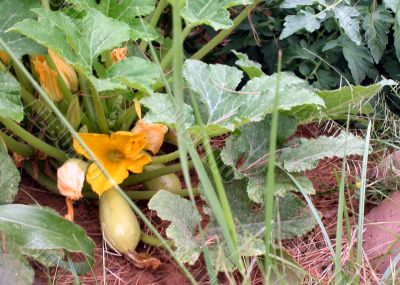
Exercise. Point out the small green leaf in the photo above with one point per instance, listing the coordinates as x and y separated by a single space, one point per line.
10 98
349 21
377 26
290 4
162 109
9 179
12 12
143 31
135 72
305 19
252 68
41 229
184 218
305 153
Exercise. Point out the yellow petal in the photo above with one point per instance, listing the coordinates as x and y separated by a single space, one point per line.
97 143
66 71
138 109
47 78
131 144
136 166
154 133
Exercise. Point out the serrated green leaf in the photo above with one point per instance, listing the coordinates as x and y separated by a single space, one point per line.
14 267
162 109
9 179
184 218
207 12
305 19
377 26
79 41
225 108
135 72
358 58
10 98
394 5
349 21
247 152
283 185
231 3
38 228
252 68
143 31
12 12
305 153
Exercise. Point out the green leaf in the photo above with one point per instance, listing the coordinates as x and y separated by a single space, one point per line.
11 13
377 26
38 228
135 72
283 185
358 58
15 269
394 5
305 19
304 154
207 12
247 152
184 218
337 102
226 108
289 4
252 68
79 41
9 179
143 31
349 21
231 3
162 109
10 98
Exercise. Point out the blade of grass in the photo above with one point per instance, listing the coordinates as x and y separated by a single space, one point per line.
360 223
75 135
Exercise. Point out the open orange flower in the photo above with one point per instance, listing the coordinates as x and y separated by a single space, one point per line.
119 54
118 153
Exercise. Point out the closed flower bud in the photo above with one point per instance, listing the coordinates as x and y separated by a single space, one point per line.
4 57
70 178
74 113
66 71
47 78
119 54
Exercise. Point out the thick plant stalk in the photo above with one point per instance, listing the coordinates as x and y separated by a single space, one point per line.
17 147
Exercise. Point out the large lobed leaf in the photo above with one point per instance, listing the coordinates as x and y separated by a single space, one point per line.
305 19
184 219
10 98
12 12
304 154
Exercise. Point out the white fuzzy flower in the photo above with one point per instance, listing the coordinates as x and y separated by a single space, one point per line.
70 178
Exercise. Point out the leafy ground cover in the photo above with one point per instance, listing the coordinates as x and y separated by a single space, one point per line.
103 102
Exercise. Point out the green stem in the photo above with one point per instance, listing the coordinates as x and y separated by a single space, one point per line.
100 115
15 146
166 61
165 158
128 115
153 241
87 102
63 86
46 4
224 33
154 19
22 79
40 178
139 178
107 57
33 141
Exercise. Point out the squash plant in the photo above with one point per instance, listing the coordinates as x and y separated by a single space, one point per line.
91 61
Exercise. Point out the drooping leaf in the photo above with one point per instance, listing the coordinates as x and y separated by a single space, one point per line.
79 41
252 68
14 267
358 58
9 179
38 228
305 153
224 107
162 110
10 98
349 21
305 19
247 152
184 219
283 185
377 26
135 72
337 102
11 13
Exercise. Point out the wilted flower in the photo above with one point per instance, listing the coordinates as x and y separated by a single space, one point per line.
119 54
66 71
4 57
118 153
